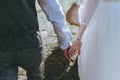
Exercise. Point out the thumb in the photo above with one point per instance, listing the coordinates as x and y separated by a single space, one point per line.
79 51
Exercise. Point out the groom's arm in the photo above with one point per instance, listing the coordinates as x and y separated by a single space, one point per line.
55 15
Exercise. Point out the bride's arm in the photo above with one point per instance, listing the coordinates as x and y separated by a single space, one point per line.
88 11
86 14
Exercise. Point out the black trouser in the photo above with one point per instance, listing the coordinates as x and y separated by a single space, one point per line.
29 59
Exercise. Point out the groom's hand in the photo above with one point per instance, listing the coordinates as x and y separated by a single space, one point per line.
65 52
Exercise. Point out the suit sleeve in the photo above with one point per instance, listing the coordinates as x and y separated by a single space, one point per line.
55 15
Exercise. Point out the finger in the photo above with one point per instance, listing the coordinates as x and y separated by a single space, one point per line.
67 56
79 51
72 52
70 57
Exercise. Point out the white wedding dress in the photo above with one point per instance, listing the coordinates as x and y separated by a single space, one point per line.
100 52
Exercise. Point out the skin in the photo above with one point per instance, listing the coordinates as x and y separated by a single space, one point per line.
77 43
65 52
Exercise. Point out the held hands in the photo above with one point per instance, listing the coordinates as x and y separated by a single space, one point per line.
70 52
66 54
75 48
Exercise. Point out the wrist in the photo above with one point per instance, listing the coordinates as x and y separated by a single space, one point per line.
83 24
78 40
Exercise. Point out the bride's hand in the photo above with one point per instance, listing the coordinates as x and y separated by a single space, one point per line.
75 48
